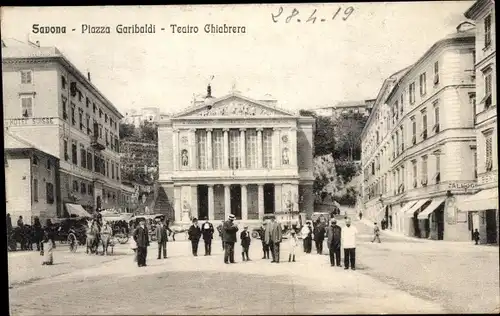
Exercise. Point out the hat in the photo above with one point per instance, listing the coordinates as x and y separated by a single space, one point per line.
334 221
195 219
231 216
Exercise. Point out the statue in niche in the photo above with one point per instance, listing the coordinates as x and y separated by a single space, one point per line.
186 211
184 158
285 156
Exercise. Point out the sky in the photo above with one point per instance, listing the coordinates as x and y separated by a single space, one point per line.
302 64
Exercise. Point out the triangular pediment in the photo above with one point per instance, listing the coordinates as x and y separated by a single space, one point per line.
233 105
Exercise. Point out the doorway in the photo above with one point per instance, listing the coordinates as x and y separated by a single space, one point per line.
268 198
203 202
235 194
98 202
440 221
491 226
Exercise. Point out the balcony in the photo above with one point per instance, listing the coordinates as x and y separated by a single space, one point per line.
97 143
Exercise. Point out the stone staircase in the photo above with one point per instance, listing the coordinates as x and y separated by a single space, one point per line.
162 204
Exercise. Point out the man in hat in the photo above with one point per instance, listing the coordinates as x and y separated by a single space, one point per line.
194 234
229 231
262 235
349 234
141 238
334 235
273 238
162 238
207 231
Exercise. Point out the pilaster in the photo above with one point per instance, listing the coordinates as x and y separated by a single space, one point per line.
225 162
244 202
211 210
209 149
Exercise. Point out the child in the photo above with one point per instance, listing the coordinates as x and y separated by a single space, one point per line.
475 236
293 244
245 243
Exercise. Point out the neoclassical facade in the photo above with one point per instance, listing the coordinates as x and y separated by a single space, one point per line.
236 155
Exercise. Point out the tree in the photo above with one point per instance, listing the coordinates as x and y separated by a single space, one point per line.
149 132
348 137
126 130
324 136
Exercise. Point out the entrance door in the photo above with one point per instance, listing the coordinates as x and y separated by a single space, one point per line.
236 200
268 198
491 227
440 222
203 202
98 203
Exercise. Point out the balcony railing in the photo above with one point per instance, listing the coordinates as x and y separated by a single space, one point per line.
97 143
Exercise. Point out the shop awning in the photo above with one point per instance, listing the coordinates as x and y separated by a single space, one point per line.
431 208
415 207
481 201
77 210
406 207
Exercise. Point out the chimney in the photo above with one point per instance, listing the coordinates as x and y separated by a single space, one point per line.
88 75
209 91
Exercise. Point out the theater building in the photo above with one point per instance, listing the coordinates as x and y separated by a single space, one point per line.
236 155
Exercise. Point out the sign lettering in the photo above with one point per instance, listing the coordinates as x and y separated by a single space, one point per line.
462 185
30 121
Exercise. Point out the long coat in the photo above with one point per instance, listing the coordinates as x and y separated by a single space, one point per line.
207 233
194 233
334 234
245 238
161 233
229 230
141 237
273 233
319 232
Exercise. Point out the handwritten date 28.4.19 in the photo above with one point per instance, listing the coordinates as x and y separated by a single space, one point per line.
312 17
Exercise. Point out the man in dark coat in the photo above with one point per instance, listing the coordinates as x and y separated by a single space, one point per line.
246 239
207 231
334 235
141 238
194 234
229 230
265 246
273 237
319 237
162 238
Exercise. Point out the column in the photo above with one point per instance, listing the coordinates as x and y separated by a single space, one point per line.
211 214
227 201
194 201
276 148
293 146
225 161
192 148
209 149
277 198
259 148
244 202
177 204
175 149
261 201
243 154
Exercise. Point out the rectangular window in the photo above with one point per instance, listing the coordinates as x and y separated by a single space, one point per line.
489 151
402 139
87 121
436 119
63 82
27 106
106 137
217 149
107 169
73 120
112 170
397 143
487 88
50 193
83 157
412 92
65 107
438 168
105 118
472 102
267 148
424 171
35 190
234 149
487 31
396 110
414 131
26 76
87 102
423 84
89 161
415 175
424 125
74 153
436 73
201 141
65 146
80 118
251 148
83 188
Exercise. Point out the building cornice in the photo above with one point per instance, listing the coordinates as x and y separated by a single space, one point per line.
72 69
477 8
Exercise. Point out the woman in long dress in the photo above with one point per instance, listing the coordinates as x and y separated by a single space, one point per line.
48 245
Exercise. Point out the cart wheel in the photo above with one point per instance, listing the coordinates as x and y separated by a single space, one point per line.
122 238
72 242
255 235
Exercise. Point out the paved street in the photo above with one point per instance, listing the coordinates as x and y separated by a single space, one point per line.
396 276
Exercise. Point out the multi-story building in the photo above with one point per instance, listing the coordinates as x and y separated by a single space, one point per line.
51 104
236 155
150 114
419 144
362 107
484 204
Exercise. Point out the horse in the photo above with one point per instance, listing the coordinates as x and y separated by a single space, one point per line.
92 237
106 235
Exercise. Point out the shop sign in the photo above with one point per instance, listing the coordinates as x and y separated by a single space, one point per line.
30 121
461 185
